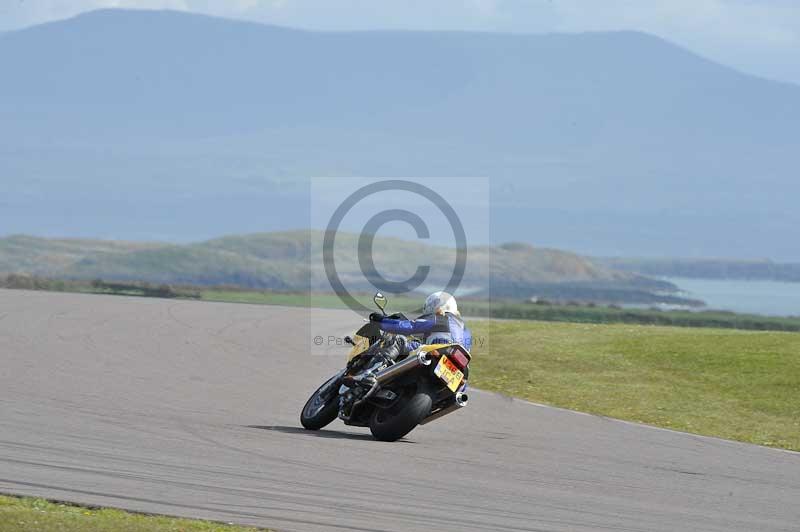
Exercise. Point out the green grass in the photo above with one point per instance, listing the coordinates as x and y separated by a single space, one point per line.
740 385
27 514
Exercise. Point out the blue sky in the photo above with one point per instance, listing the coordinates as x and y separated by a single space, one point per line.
761 37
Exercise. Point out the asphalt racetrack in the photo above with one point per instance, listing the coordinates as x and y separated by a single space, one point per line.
191 409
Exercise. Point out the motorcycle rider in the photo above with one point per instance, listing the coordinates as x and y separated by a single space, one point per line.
440 323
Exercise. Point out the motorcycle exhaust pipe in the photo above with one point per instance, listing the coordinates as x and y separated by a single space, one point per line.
404 366
459 402
461 399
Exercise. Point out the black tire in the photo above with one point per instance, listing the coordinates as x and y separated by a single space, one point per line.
392 424
314 417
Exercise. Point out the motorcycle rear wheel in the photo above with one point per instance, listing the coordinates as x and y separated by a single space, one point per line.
321 408
394 423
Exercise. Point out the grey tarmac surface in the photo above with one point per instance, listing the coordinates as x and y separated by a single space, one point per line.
191 408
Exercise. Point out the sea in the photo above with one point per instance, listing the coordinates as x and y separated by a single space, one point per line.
769 298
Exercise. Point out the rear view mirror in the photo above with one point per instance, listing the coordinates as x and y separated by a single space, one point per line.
380 301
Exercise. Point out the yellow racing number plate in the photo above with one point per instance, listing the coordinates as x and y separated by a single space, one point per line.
449 373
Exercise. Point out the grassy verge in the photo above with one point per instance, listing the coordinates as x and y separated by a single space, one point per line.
574 313
739 385
25 514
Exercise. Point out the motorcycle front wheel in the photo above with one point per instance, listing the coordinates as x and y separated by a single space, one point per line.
322 407
391 424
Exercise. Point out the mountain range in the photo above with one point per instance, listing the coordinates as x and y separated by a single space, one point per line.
159 125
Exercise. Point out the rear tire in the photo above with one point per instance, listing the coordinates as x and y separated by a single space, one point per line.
391 425
314 415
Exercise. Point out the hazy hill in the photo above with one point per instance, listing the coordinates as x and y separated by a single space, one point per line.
294 261
164 125
22 253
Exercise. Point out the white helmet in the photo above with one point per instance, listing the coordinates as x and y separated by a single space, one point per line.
440 303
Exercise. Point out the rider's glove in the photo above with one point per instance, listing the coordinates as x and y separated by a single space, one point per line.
375 316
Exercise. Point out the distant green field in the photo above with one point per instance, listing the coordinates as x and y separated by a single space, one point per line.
528 311
28 514
496 308
740 385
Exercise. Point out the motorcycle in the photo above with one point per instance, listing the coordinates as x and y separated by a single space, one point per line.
421 386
